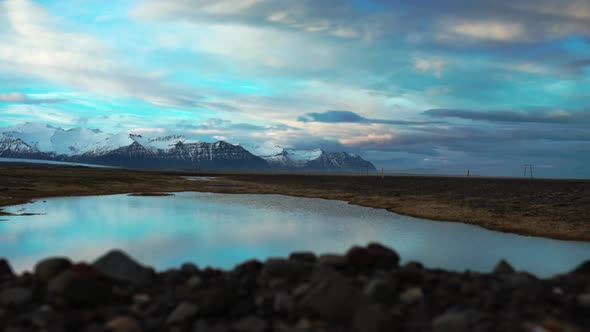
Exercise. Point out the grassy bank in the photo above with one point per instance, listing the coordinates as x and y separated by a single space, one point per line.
549 208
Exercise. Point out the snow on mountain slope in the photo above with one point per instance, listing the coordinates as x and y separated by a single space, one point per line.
315 159
160 143
35 135
303 155
81 140
45 142
13 145
69 142
264 150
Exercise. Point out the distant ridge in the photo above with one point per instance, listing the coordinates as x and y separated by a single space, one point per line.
92 146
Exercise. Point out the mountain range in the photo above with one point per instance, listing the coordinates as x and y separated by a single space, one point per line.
92 146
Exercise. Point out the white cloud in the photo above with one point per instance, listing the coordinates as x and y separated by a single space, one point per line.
433 65
367 139
32 43
487 30
39 114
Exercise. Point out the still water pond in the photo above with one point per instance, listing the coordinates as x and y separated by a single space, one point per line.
222 230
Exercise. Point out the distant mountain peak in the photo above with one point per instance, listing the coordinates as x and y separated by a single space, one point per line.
39 141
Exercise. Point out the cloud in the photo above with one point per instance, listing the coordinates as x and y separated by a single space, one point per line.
20 98
435 66
578 66
311 16
35 44
369 139
487 30
351 117
546 116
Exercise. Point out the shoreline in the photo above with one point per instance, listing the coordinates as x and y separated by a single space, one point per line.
428 202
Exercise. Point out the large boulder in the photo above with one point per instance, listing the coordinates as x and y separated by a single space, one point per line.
49 268
80 285
503 267
582 269
119 266
15 297
5 269
333 299
374 255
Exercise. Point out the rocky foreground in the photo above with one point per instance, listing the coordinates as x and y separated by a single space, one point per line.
363 290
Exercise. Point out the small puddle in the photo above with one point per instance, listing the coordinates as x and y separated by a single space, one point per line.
222 230
200 178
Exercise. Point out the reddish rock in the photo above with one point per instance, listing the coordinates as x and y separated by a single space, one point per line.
373 255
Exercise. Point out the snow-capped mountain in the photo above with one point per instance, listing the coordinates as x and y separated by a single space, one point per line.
311 160
92 146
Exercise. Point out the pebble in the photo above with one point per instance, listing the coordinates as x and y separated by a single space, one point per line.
79 285
333 260
584 300
371 318
15 297
450 322
411 295
332 293
303 256
182 312
250 324
193 282
123 324
335 299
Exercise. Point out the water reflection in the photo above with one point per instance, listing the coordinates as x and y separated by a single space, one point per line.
222 230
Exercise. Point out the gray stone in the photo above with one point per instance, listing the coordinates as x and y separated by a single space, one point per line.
371 318
49 268
300 290
80 288
283 302
119 266
214 300
503 267
183 312
5 269
335 300
450 322
382 289
190 268
284 269
203 326
582 269
411 295
303 256
584 300
123 324
333 260
250 324
17 297
193 282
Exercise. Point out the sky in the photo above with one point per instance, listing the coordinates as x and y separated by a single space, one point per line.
418 86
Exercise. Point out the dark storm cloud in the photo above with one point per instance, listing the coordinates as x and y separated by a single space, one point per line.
352 117
545 116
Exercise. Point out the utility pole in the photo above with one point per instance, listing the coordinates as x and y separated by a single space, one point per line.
530 168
